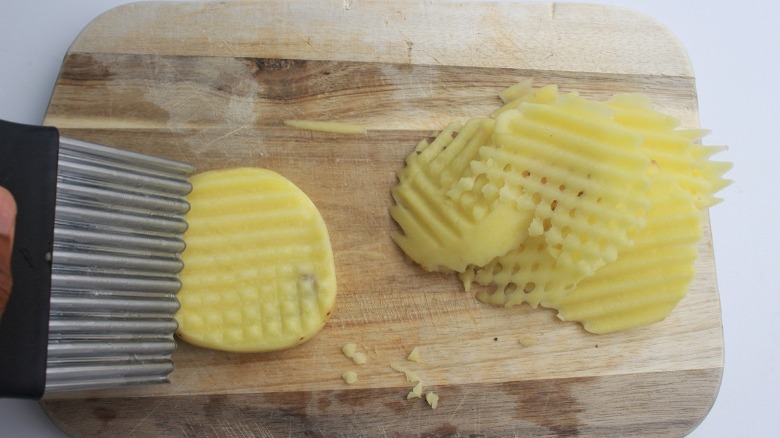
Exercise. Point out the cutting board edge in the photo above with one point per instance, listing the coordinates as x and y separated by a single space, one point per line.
676 64
720 369
603 403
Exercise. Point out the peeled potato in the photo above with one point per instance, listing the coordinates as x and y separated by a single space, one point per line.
258 269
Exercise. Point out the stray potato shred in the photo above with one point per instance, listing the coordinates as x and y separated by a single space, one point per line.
326 126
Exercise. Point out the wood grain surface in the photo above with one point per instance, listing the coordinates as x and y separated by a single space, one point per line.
211 84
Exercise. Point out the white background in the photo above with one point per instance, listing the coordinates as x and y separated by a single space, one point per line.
734 47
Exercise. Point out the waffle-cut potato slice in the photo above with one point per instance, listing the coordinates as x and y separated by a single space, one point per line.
616 190
676 151
441 233
526 274
585 174
647 281
258 269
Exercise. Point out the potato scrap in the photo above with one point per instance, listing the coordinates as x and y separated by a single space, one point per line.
411 376
350 377
359 358
258 270
349 350
432 398
416 392
414 355
326 126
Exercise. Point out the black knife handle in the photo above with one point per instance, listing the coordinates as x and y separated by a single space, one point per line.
28 169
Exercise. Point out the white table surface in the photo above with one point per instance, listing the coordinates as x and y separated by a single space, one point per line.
734 47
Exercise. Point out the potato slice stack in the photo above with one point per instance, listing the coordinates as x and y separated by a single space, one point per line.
592 208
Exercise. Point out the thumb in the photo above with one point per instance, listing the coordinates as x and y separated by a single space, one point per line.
7 229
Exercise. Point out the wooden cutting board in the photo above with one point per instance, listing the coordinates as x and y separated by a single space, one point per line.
211 83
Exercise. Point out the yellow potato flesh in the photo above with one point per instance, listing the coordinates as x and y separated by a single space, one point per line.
259 273
606 196
647 281
441 233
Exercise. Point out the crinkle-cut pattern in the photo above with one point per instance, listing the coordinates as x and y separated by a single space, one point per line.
527 274
441 233
585 174
648 280
676 151
258 269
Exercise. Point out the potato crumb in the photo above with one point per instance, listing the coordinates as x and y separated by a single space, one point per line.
416 392
414 356
411 376
349 377
349 350
359 358
432 398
